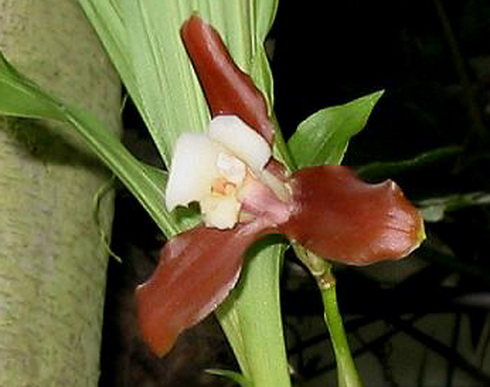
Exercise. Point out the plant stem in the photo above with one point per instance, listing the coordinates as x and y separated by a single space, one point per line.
347 374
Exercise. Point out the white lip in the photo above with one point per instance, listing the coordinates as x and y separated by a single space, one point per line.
192 171
227 151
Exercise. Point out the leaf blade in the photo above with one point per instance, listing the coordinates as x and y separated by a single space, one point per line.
329 130
251 317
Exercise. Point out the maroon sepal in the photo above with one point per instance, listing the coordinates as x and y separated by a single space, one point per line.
228 89
196 272
344 219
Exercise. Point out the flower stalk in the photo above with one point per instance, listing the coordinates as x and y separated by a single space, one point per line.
347 374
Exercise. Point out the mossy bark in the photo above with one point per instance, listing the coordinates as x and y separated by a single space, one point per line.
52 259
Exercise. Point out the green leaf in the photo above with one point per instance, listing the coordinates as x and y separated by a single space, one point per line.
170 100
324 136
434 209
390 168
106 18
251 317
23 98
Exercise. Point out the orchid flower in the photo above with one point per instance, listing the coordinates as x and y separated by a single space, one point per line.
245 194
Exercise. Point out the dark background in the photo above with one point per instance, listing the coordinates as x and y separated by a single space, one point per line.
432 58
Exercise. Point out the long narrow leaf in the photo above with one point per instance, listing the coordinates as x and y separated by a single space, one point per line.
106 17
383 169
251 317
434 209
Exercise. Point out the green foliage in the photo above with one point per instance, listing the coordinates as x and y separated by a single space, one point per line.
22 98
390 168
435 209
241 316
323 137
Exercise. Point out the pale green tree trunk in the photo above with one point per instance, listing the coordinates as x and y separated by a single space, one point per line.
52 259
